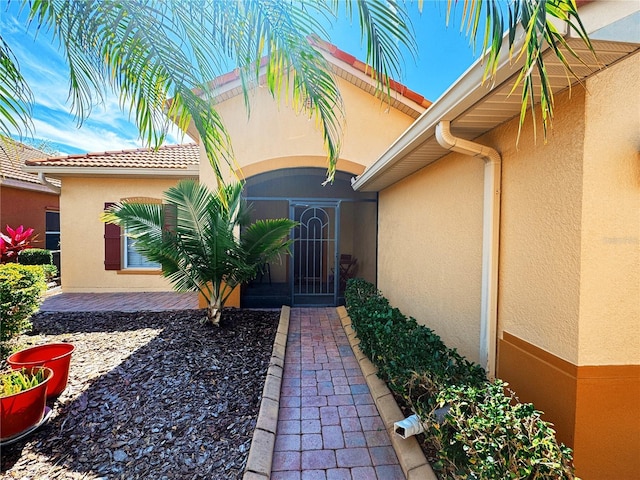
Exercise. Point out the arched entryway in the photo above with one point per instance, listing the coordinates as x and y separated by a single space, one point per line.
335 239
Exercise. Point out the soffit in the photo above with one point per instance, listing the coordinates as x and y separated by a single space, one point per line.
473 110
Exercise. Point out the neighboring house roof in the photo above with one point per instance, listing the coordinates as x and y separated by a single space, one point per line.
169 160
345 66
13 155
474 109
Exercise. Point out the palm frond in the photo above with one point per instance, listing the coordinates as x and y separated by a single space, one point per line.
535 18
16 97
263 240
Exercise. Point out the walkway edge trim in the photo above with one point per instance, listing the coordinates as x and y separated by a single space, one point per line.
412 460
264 436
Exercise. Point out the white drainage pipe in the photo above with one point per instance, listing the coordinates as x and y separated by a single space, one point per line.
490 238
408 427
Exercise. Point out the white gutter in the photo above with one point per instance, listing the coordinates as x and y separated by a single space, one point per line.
43 180
175 172
490 238
467 90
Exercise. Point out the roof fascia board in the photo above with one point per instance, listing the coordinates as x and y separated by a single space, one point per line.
23 185
56 172
220 91
463 94
342 65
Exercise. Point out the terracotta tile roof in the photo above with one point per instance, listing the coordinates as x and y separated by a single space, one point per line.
368 70
168 156
342 56
13 155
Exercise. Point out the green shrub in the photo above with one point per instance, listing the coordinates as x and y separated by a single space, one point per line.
489 434
479 431
20 289
50 271
35 256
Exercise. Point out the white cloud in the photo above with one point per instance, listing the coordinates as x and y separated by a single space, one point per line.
91 140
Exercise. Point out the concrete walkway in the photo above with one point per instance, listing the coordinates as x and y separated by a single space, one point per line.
328 425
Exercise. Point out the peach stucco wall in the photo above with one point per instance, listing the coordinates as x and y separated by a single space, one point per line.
430 249
569 251
540 229
82 234
274 133
610 247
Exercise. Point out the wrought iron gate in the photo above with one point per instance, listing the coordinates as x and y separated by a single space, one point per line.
315 253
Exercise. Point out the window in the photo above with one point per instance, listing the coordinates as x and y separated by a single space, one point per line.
133 259
52 230
119 250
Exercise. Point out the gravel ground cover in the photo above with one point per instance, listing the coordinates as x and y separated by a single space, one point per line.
150 396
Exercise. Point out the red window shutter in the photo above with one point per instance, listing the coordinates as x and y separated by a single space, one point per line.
112 245
170 218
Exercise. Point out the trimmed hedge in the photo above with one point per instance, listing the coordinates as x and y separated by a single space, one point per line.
479 428
20 289
35 256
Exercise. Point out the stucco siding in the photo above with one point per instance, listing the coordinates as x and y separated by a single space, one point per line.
82 234
610 263
540 231
430 249
274 131
28 208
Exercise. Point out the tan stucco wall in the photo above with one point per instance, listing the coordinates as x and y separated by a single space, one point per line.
274 131
569 268
540 229
82 234
610 249
430 249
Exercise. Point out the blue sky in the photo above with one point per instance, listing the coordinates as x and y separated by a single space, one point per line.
444 54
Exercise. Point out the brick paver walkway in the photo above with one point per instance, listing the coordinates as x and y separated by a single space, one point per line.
122 302
328 425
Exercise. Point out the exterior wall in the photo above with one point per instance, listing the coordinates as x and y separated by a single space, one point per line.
26 207
610 248
274 131
540 231
82 234
430 249
569 271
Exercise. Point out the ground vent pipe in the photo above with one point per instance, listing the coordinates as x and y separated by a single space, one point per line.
408 427
490 237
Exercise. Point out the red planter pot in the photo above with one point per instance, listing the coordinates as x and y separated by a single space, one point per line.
56 356
24 410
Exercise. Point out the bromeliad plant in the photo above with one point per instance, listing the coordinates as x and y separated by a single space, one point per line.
16 381
195 237
14 242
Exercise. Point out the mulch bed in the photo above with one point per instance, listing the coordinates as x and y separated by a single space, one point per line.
150 396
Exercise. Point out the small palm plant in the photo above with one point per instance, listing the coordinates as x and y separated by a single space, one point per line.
195 237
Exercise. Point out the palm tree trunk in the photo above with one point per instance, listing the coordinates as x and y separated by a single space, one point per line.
214 311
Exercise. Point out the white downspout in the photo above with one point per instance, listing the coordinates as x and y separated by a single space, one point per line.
490 238
43 180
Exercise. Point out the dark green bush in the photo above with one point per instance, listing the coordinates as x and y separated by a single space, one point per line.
489 434
478 427
20 289
35 256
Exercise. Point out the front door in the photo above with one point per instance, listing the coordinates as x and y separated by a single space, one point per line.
314 280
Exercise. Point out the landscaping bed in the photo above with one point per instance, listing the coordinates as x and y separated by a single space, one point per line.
150 395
